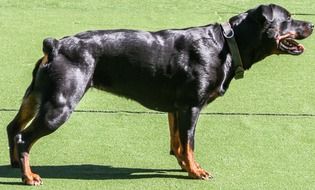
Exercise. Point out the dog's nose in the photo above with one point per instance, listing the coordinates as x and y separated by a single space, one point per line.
311 26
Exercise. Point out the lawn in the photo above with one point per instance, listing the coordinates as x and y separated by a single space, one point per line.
260 135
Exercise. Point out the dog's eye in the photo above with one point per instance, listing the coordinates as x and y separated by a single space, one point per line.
289 19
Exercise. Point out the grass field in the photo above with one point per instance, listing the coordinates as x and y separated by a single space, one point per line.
270 146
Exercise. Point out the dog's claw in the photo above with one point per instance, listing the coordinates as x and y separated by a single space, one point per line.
33 180
205 177
201 174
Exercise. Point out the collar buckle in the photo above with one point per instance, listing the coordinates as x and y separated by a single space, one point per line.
228 33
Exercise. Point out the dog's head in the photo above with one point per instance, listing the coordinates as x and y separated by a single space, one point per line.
269 29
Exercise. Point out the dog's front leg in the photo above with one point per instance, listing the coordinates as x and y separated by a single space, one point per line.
187 123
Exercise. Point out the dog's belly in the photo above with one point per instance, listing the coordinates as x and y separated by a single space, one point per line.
153 88
155 97
152 101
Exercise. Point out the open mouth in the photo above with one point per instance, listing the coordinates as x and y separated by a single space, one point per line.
288 45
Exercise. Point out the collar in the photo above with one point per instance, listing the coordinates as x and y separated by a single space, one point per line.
228 33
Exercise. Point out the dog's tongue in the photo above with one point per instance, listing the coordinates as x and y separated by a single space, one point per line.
300 47
297 48
291 46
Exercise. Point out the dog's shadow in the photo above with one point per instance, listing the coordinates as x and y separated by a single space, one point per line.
92 172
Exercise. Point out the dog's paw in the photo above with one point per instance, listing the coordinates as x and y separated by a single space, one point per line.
200 174
32 179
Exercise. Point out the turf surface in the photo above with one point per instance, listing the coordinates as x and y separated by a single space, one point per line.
270 145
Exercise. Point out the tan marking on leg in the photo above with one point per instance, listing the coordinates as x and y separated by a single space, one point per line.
29 178
176 146
171 123
45 59
26 113
193 168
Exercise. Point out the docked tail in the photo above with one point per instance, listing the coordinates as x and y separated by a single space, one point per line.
50 48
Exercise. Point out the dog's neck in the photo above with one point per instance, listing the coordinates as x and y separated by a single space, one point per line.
252 47
236 57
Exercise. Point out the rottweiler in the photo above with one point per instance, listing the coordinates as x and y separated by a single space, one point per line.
177 71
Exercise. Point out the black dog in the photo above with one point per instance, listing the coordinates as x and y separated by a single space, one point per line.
174 71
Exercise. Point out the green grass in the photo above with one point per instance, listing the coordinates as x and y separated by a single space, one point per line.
130 151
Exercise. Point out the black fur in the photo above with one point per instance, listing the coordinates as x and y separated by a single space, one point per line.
176 71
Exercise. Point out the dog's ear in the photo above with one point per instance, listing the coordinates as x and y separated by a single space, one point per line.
236 20
262 13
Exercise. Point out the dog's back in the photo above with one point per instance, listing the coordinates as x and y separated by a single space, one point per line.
157 69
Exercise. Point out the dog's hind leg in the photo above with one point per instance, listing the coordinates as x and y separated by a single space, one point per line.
60 84
54 110
25 114
49 118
